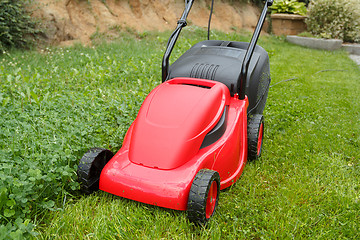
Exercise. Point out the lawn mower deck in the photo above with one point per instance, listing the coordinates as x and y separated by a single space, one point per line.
164 178
194 132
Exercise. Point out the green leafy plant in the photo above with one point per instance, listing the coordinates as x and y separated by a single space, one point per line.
45 128
16 26
289 7
335 19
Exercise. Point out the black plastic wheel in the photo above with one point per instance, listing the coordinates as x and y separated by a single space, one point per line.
90 167
255 136
203 196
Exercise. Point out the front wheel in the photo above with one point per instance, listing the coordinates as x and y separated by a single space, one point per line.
255 136
90 167
203 196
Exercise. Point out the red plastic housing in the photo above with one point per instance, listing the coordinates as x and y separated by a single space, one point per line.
162 153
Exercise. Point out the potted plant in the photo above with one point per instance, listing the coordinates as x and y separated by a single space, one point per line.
288 17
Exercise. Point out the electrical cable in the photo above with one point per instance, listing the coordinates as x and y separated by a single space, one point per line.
259 101
286 80
294 78
211 12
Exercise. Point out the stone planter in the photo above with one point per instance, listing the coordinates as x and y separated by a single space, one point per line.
287 24
317 43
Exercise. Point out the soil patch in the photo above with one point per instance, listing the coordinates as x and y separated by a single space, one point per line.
69 21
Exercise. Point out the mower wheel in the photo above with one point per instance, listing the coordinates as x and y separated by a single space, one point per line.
90 167
255 136
203 196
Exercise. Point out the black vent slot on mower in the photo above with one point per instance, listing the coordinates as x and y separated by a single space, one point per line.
200 86
204 71
217 132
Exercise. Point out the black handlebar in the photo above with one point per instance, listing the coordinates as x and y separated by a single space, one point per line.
250 50
173 38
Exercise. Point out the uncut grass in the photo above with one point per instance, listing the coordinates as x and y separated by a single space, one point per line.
306 184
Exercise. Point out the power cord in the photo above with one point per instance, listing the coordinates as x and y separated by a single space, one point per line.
211 12
294 78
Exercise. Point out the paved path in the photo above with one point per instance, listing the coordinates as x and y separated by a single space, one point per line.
356 58
354 51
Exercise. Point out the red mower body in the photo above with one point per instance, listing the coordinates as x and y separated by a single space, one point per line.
176 134
194 132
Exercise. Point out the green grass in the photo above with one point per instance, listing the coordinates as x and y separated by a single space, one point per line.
57 103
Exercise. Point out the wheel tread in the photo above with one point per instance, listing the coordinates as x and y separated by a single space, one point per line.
88 164
254 123
198 195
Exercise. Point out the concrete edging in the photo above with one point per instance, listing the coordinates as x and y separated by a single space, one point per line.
353 49
327 44
317 43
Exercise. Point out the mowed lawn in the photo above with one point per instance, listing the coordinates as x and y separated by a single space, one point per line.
56 103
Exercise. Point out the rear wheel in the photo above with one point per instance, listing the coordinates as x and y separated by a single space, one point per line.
255 136
90 167
203 196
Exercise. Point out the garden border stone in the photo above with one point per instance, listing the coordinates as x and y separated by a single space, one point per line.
352 48
317 43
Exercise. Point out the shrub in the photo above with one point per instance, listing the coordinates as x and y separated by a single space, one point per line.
338 19
15 25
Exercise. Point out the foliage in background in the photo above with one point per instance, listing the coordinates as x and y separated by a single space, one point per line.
335 19
16 26
289 7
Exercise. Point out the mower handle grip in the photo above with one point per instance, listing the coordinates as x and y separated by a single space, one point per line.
241 83
173 38
244 68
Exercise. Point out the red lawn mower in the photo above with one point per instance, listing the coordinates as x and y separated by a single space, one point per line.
194 132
